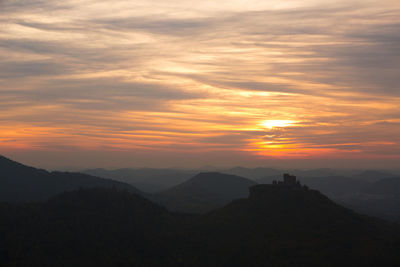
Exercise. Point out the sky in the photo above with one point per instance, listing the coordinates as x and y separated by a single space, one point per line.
296 83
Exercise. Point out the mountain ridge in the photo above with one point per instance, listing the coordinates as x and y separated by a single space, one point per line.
22 183
204 192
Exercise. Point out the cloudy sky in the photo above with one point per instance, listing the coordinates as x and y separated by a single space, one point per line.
126 83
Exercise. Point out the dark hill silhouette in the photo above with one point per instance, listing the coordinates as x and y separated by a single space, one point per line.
291 226
24 184
89 227
204 192
276 226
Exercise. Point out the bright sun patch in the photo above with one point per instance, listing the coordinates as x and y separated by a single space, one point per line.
277 123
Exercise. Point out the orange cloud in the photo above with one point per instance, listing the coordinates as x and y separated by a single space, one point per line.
297 79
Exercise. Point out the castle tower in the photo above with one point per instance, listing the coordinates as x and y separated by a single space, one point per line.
289 179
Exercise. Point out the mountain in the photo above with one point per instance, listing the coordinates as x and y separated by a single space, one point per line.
336 186
282 225
315 172
373 175
381 199
204 192
88 227
383 206
276 225
253 173
387 186
157 180
23 183
146 179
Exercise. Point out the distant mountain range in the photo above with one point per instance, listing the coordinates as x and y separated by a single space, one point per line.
156 180
146 179
387 186
381 199
370 192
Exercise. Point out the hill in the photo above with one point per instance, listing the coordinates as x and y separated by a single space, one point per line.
204 192
293 226
336 186
24 184
381 199
387 186
146 179
89 227
276 226
253 173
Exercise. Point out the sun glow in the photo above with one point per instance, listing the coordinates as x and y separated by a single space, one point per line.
277 123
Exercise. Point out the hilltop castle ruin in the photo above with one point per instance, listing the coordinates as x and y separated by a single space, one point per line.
288 179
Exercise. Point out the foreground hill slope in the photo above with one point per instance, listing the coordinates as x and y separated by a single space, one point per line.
23 183
89 227
275 226
204 192
294 226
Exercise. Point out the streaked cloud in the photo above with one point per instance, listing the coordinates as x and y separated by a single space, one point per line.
188 78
